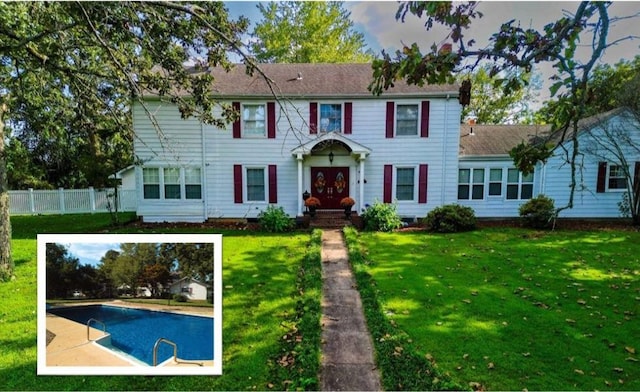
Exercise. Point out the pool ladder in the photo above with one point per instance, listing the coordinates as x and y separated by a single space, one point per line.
104 326
175 353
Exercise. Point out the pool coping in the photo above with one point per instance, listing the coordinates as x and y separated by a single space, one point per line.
70 347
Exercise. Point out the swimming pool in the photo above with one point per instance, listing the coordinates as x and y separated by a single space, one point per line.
135 331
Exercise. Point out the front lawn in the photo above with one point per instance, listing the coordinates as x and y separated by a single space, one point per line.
508 309
271 305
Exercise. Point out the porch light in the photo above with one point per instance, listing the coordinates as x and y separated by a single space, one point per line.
331 157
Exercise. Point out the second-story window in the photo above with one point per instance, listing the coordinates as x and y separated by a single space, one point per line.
407 120
253 120
330 117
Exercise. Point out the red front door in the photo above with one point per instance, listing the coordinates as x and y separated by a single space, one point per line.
330 185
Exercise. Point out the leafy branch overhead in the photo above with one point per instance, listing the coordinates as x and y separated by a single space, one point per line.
511 51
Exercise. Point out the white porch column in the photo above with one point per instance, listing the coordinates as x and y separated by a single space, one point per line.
299 198
361 198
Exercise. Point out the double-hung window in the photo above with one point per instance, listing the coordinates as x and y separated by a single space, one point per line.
617 178
330 117
406 120
495 182
253 120
256 184
151 183
172 183
471 184
405 183
192 183
519 186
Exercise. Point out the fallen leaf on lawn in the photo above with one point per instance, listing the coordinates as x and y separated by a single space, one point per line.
570 321
578 371
466 301
270 386
630 350
618 370
607 383
429 357
474 293
526 354
631 359
621 381
465 356
582 302
490 365
476 386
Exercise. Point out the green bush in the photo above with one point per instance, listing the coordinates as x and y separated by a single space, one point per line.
450 218
538 212
275 220
381 217
179 298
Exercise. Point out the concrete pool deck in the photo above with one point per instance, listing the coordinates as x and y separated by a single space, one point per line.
69 346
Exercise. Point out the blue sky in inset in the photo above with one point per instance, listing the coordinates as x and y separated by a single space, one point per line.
90 253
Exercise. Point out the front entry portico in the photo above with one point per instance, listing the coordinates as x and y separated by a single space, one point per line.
331 167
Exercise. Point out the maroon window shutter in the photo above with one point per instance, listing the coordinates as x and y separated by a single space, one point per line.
348 109
313 117
602 177
424 120
271 120
236 124
389 122
273 184
388 182
237 183
422 184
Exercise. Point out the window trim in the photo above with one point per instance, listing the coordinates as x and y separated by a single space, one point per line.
471 183
158 184
245 183
502 183
397 117
319 116
243 132
414 197
520 184
181 179
608 178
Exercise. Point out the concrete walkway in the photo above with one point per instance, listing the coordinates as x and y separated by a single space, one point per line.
347 362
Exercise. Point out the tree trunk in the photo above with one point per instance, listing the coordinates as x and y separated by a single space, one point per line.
6 263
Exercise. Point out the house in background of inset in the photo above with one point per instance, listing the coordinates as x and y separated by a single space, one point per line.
190 288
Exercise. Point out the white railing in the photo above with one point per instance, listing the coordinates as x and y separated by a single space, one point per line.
69 201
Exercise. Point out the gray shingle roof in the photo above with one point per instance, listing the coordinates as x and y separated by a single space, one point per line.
496 139
316 80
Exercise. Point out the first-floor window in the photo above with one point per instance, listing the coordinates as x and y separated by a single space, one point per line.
471 184
519 186
495 182
151 183
192 183
255 184
405 183
172 183
617 179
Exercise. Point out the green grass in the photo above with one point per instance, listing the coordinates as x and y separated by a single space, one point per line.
271 289
507 309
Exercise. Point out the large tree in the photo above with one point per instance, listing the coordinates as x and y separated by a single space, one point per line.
490 105
307 32
70 65
511 47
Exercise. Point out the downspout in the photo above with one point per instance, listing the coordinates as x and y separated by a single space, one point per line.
444 152
205 203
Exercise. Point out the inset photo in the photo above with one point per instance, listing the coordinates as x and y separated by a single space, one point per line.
134 304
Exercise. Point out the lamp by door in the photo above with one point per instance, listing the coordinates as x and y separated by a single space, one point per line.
331 157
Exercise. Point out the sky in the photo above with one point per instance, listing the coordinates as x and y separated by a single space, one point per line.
90 253
376 21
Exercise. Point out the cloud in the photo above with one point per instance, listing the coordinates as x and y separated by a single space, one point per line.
90 253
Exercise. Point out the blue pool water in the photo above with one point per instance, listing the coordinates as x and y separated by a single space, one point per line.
135 331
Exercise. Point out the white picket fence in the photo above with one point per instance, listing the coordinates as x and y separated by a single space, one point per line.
69 201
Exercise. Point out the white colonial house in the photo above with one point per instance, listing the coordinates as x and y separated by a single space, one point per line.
326 134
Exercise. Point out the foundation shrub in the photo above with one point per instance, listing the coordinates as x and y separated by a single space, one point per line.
450 218
381 217
275 220
538 213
